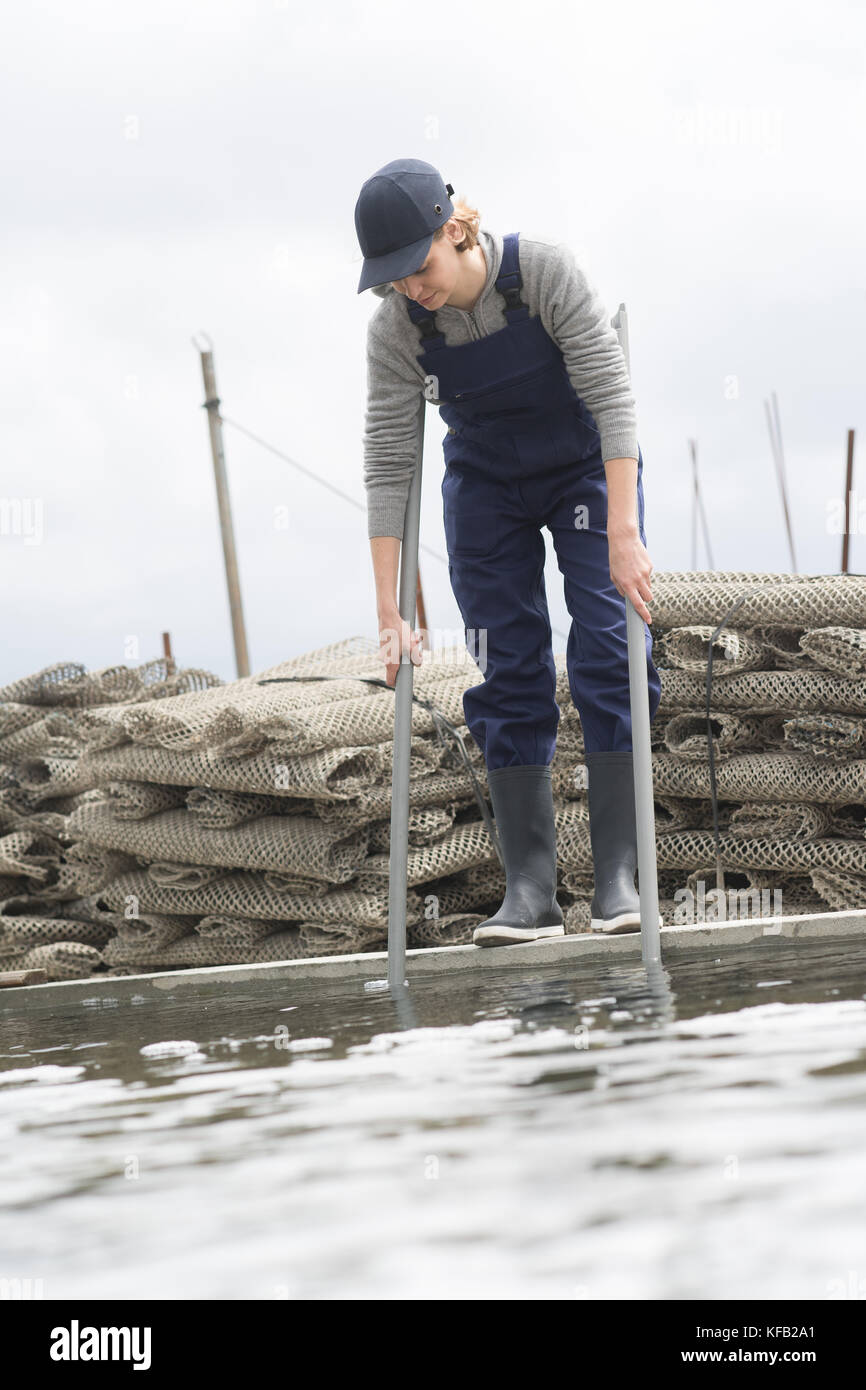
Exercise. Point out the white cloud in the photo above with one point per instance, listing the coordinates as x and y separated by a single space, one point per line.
169 169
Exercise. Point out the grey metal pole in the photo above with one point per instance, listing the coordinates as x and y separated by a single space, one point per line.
641 749
399 857
212 402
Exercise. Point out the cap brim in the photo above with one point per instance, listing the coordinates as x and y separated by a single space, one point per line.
379 270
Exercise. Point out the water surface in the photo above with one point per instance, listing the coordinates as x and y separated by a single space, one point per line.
555 1133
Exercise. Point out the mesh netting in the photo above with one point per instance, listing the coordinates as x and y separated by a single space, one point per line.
780 820
685 813
424 827
249 894
848 821
138 800
261 715
55 733
302 845
336 772
37 931
833 735
686 734
687 647
32 856
70 684
15 716
53 776
805 601
842 891
837 649
763 777
171 821
63 960
193 949
782 645
453 930
680 849
215 809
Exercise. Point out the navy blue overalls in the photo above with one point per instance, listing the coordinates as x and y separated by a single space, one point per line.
522 451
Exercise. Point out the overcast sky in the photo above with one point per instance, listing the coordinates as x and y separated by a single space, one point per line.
176 167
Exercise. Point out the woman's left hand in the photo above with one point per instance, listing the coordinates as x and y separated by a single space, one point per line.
630 567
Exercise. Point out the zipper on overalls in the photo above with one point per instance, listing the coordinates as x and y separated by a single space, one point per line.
519 381
470 314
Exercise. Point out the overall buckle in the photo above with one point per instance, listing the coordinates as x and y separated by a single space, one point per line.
512 298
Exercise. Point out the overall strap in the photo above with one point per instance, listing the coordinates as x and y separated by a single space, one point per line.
509 282
431 335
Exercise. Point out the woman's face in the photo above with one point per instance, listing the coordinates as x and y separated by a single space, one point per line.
434 281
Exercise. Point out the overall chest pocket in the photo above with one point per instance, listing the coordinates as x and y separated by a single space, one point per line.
504 400
562 439
473 524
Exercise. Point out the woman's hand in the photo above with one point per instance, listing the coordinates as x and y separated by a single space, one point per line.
630 566
395 638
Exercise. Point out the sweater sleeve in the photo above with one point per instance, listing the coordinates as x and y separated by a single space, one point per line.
576 318
391 439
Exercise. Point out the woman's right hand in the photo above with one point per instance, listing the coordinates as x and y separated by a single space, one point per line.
395 638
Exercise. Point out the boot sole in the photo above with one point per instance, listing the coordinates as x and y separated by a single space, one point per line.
509 936
626 921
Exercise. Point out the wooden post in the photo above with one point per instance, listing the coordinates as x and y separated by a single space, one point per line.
849 483
211 403
170 667
11 979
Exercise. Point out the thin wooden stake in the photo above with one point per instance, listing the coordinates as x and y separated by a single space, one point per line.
211 403
849 483
694 453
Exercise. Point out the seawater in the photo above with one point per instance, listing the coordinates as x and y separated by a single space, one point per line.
543 1132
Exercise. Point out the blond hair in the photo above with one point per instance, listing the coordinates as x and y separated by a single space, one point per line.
469 219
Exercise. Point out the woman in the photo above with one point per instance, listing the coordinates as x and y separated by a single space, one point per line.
509 338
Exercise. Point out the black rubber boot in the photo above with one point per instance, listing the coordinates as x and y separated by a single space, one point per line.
615 903
522 798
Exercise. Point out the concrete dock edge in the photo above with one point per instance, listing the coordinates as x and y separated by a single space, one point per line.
443 960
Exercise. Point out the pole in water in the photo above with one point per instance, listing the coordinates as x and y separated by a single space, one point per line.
641 748
399 858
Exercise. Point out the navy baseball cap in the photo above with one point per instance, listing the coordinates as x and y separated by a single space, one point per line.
398 210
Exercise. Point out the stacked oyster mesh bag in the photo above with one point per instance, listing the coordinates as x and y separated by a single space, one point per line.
51 916
158 826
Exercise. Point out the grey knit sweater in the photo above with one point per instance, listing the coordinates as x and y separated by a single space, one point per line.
554 287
